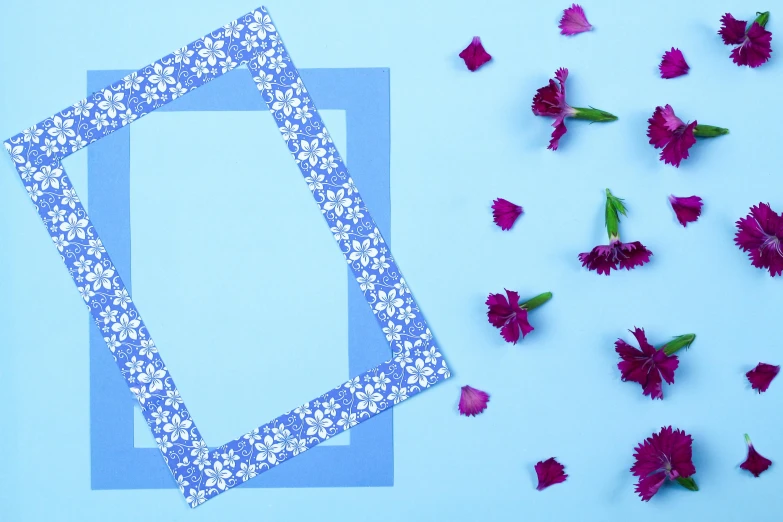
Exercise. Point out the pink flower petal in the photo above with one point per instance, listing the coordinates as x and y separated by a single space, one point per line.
574 21
549 472
474 54
755 462
687 209
761 376
673 64
732 30
505 213
472 401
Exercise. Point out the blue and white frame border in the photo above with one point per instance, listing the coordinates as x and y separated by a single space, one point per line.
200 472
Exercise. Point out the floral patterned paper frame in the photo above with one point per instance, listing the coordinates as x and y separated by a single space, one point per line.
200 472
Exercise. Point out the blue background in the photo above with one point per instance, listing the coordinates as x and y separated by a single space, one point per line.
458 141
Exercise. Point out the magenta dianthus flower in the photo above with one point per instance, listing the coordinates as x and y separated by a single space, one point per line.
754 43
605 258
668 132
666 455
760 234
510 315
550 100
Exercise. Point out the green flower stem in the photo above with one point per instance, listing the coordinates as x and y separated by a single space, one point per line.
762 18
709 131
682 341
536 301
687 483
614 207
592 114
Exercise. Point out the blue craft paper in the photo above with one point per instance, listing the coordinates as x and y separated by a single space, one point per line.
115 462
200 472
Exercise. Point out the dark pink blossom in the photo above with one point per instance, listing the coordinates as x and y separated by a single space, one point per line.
507 315
574 21
666 455
755 463
505 213
760 234
673 64
549 472
762 375
474 54
648 366
754 45
472 401
687 209
550 100
605 258
510 315
668 132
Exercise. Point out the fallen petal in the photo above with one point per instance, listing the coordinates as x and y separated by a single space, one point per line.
472 401
755 463
574 21
761 376
549 472
505 213
687 209
474 54
673 64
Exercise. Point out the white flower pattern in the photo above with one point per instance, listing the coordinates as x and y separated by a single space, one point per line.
37 153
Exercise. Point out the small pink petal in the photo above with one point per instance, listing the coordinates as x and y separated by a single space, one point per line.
755 462
472 401
505 213
549 472
687 209
673 64
474 54
574 21
761 376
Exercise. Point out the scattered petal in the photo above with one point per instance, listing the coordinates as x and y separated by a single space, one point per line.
507 315
687 209
761 376
755 463
472 401
505 213
574 21
474 54
668 132
673 64
666 455
605 258
760 234
648 366
549 472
